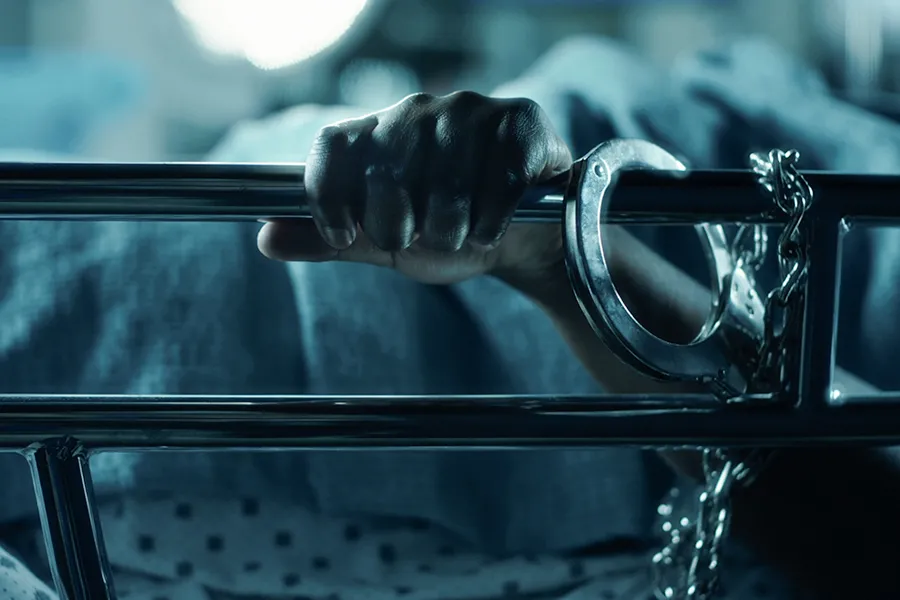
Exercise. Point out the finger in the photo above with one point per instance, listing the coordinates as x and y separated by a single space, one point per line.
299 240
494 205
509 168
446 223
459 141
524 151
333 180
395 175
389 217
294 240
558 157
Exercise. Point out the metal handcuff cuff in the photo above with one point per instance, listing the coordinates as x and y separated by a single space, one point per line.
739 349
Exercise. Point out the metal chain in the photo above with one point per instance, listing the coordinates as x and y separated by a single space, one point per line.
687 568
793 195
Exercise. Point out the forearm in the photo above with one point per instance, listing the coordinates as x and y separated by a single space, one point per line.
645 281
827 517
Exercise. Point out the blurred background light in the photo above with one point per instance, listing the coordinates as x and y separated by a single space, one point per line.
374 84
271 34
167 80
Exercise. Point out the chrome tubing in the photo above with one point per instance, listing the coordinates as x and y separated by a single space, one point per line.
245 192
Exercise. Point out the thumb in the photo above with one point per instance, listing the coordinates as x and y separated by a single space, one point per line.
300 240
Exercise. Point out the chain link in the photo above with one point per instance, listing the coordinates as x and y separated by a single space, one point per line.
778 175
688 566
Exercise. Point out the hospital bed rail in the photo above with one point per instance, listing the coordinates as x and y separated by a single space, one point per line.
58 434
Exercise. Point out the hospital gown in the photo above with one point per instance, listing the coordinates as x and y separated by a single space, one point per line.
193 308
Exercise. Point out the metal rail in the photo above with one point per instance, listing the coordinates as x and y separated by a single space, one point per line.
56 433
237 192
126 423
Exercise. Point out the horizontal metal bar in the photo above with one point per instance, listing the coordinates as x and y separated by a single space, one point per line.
215 191
182 422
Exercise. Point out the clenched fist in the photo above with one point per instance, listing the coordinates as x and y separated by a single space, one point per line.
429 187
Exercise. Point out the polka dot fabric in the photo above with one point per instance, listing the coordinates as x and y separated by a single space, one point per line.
210 549
18 583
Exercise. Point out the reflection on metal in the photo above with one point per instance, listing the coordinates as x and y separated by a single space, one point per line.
56 433
62 484
247 192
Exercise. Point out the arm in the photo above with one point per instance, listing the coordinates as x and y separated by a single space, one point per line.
827 517
428 187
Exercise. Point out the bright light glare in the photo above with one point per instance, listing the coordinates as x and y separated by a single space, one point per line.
271 34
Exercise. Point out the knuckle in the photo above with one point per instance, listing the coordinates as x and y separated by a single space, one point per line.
521 138
331 137
464 99
459 116
447 130
523 108
399 140
417 100
384 178
411 109
381 178
520 119
347 133
328 151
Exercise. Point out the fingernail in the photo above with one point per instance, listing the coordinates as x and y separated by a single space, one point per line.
339 238
484 246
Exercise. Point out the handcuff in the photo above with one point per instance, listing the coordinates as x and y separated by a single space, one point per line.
741 345
735 324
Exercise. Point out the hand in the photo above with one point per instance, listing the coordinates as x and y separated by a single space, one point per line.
428 187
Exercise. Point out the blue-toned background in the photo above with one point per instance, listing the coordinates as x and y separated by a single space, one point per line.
597 2
58 99
138 80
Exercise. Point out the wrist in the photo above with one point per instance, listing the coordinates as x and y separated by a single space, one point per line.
546 285
534 262
645 282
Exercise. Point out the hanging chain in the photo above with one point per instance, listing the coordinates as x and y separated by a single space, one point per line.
793 195
687 568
